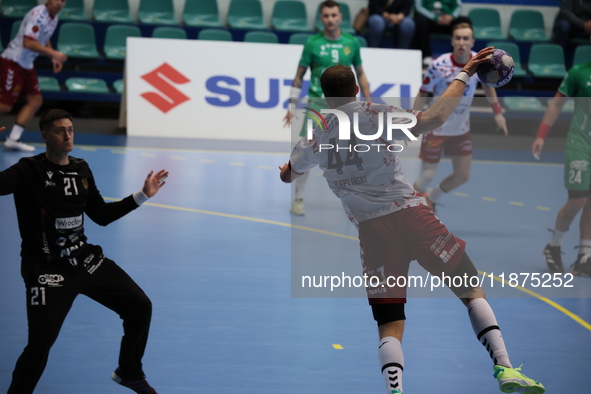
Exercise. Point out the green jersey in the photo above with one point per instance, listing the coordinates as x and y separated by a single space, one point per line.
321 53
577 84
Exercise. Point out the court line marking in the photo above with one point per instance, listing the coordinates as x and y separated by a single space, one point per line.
337 346
283 224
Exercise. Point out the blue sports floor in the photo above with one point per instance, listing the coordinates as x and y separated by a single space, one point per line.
213 250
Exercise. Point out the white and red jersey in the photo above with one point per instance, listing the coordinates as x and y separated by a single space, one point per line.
370 184
38 25
438 77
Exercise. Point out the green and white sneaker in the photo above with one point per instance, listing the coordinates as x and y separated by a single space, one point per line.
396 392
512 381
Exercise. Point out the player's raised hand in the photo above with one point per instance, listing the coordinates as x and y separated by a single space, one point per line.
481 57
154 182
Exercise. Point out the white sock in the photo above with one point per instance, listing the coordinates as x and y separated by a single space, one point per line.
16 132
556 238
436 194
585 246
300 185
392 362
484 324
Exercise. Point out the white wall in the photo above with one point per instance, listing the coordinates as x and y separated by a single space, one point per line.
549 13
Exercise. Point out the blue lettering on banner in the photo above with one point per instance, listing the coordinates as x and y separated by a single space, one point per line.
227 96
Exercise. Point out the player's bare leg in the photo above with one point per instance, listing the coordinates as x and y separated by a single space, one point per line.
582 265
552 251
23 118
428 171
297 207
391 356
461 174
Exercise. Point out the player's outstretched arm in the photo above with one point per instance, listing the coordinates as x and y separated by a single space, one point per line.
154 182
294 94
47 50
493 100
550 116
438 113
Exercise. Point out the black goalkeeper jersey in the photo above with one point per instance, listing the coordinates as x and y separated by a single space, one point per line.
51 201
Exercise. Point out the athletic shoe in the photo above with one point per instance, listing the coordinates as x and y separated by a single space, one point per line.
297 207
553 257
11 144
583 265
430 203
512 381
396 392
138 385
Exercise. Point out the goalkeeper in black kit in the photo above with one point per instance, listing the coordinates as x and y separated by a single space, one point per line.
52 192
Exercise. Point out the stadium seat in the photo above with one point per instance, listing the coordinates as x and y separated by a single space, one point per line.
17 8
267 37
116 40
290 15
77 40
73 11
201 13
112 11
512 49
86 85
157 12
246 14
362 41
582 54
169 32
569 105
118 86
527 25
487 24
48 84
299 38
214 35
14 30
547 61
523 104
345 25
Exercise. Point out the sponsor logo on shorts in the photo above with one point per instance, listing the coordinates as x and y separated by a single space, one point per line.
581 165
51 280
68 223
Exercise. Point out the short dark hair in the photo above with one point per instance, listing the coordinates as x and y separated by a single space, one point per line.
50 116
338 81
329 4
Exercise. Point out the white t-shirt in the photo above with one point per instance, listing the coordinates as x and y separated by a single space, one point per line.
37 25
439 75
370 184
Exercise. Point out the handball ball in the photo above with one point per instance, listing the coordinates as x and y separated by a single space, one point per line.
498 71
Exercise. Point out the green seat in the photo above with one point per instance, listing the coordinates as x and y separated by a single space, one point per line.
523 104
77 40
118 86
299 38
569 105
246 14
512 49
48 84
169 32
116 40
345 24
486 23
14 30
112 11
86 85
73 11
266 37
527 25
17 8
362 41
290 15
214 35
202 13
157 12
582 54
547 61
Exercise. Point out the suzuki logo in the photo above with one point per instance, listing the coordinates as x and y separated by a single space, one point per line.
162 79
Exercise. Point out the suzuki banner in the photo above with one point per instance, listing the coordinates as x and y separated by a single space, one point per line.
235 90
